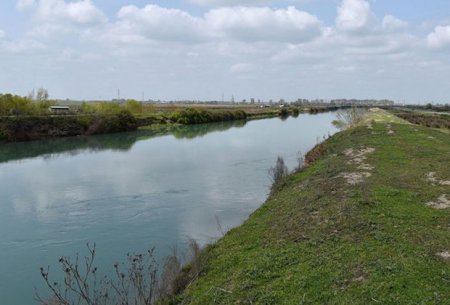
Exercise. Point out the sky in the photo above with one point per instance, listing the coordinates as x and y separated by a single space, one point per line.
206 49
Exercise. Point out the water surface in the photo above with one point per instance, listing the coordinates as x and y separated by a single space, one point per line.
132 191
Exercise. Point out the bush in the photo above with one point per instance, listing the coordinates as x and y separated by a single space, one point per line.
315 154
201 116
283 113
434 121
134 106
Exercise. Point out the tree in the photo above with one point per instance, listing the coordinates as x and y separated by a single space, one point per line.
42 95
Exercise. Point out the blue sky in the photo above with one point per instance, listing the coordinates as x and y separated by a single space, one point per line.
197 49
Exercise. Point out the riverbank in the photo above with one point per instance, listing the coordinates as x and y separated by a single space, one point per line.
366 223
28 128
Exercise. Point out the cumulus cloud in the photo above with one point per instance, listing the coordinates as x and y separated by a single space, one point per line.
245 24
157 23
359 31
79 12
354 16
264 24
439 38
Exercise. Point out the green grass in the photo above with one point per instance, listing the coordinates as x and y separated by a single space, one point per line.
320 240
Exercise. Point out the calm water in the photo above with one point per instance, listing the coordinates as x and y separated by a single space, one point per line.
129 192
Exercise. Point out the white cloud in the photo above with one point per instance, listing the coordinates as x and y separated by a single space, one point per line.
2 34
354 16
439 38
82 12
245 24
25 4
360 32
61 20
157 23
391 23
264 24
229 2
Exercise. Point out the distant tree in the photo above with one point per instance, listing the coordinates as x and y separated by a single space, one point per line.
15 105
42 102
42 95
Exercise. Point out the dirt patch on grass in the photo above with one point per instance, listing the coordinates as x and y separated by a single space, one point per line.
441 203
445 255
355 178
431 177
389 129
366 167
358 157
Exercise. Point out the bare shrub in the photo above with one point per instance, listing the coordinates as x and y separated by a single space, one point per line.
51 301
171 270
279 172
197 262
349 117
174 283
136 281
300 162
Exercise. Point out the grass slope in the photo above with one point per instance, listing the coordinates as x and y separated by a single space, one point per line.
321 240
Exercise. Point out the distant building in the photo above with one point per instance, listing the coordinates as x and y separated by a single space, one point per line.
59 109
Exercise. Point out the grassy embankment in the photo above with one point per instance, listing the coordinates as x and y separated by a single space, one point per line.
360 225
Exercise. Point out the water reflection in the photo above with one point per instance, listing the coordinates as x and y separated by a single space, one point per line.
115 142
128 192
